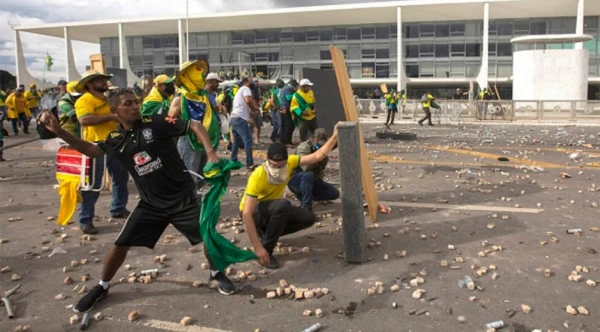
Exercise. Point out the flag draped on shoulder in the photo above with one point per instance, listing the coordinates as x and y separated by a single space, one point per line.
302 106
221 251
195 106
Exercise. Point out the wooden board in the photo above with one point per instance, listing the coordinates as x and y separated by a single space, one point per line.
343 82
97 63
383 87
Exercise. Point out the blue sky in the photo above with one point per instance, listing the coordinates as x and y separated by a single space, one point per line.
33 12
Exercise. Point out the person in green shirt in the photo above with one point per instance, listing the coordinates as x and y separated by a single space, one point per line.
158 100
66 106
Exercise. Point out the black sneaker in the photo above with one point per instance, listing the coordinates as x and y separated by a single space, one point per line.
88 229
90 299
224 285
122 215
273 263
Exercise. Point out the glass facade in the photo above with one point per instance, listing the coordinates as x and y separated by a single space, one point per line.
435 50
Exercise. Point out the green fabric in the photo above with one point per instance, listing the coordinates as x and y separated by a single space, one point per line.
151 108
209 119
274 93
221 251
302 106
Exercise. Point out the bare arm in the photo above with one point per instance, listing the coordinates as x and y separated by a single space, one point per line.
94 120
87 148
321 153
198 129
175 108
250 226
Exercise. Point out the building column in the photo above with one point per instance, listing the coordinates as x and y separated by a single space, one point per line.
579 24
482 78
67 46
71 68
18 56
122 47
182 43
399 51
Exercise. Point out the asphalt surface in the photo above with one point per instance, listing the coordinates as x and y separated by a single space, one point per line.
447 188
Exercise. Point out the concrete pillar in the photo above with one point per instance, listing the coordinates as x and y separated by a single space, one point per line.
18 56
399 51
182 43
579 24
352 192
67 46
482 78
71 68
122 47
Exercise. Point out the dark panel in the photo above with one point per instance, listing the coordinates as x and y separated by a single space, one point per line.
327 95
119 77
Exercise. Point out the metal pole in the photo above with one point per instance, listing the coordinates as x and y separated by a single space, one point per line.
187 30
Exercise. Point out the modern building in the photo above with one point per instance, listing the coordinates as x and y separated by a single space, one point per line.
419 44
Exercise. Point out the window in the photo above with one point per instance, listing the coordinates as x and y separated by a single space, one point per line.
273 55
261 36
504 49
354 34
313 52
213 55
473 29
412 31
339 34
354 70
368 70
237 38
393 50
287 36
382 70
442 30
225 39
555 25
382 32
569 25
441 50
202 39
457 68
457 29
105 45
273 36
225 56
287 53
492 49
171 59
426 69
249 37
299 36
442 69
473 49
171 41
299 53
590 24
147 43
368 53
426 51
213 39
412 51
521 28
354 52
473 68
326 35
262 55
327 66
313 35
412 70
538 27
274 71
393 31
368 33
325 55
427 30
393 69
382 53
138 44
505 28
457 50
504 69
148 60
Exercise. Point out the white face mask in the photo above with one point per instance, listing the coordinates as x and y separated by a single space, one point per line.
276 175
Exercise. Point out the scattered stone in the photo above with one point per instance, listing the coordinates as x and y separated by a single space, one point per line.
185 321
74 263
582 310
133 316
418 294
160 259
271 295
395 288
82 290
197 283
571 310
204 266
5 269
98 316
68 281
591 283
74 319
444 263
306 313
461 319
60 297
16 277
93 252
547 273
127 267
525 308
306 250
319 313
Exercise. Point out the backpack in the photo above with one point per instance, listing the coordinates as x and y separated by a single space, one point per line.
424 98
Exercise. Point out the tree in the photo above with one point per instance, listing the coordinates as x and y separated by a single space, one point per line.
7 80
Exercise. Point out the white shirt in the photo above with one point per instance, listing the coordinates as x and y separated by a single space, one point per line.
240 107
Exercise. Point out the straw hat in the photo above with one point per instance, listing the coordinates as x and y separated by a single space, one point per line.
72 88
188 65
88 76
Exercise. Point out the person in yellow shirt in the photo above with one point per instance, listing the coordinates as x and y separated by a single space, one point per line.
158 100
2 115
265 213
33 97
303 109
97 122
426 100
17 110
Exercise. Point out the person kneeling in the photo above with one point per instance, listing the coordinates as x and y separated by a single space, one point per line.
307 181
266 215
146 148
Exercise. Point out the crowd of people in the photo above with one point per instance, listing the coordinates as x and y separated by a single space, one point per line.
164 139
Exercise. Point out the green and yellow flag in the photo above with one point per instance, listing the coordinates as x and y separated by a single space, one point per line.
48 61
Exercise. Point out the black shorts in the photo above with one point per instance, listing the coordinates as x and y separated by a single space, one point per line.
146 223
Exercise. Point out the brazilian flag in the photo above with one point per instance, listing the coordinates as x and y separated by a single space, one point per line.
48 61
195 106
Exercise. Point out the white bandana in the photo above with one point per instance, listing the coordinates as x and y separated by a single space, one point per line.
276 175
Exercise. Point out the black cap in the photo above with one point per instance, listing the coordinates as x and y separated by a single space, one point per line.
277 152
293 83
62 82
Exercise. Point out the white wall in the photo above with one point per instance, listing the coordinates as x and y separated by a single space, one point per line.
550 75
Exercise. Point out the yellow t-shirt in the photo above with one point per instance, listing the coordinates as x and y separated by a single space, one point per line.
258 184
33 99
88 104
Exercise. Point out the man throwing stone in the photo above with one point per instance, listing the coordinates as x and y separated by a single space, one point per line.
307 181
147 149
266 215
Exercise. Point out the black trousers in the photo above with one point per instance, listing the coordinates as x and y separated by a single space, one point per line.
390 114
278 218
287 128
306 126
427 115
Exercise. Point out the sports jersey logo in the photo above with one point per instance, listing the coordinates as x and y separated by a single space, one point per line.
147 133
141 158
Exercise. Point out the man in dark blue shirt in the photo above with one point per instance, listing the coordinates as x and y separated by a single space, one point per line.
287 126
